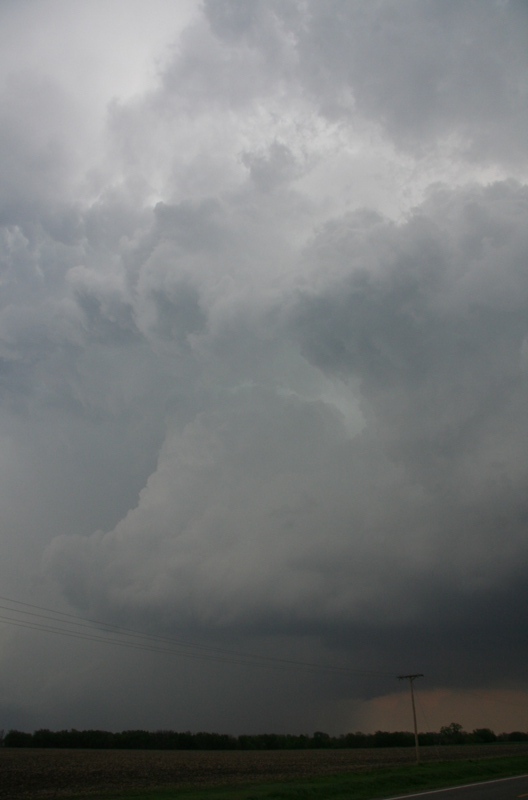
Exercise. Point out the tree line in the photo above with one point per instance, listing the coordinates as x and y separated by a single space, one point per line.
173 740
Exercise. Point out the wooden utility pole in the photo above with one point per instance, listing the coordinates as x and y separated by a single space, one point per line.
411 678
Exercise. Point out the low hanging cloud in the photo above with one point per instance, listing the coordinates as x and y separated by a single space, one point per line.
266 510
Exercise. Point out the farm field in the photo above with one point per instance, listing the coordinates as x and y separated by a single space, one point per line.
35 774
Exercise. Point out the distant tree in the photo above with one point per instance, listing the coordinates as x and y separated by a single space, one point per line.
269 741
483 735
173 740
321 739
18 739
452 734
133 740
247 742
214 741
515 736
428 739
185 741
44 738
391 739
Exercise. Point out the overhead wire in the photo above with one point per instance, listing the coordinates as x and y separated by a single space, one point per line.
110 633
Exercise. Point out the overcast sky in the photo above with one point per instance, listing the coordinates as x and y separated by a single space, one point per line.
264 363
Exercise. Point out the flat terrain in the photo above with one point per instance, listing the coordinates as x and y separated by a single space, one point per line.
33 774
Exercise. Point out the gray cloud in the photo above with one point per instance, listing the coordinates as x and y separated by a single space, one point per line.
36 118
244 403
426 74
263 511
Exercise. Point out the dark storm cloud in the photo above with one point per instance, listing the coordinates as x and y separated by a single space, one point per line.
436 332
434 327
263 513
239 404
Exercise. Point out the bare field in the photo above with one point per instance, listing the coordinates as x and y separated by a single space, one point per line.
33 774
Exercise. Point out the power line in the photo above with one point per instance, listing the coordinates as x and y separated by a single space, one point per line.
109 633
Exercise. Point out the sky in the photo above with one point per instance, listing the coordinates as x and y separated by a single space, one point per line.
263 364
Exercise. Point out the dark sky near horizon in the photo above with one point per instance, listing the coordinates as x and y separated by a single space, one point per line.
264 362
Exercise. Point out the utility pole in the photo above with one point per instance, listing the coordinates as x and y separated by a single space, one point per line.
411 678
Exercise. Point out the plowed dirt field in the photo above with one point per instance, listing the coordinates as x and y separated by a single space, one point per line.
32 774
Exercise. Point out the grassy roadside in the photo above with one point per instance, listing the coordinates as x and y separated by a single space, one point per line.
381 782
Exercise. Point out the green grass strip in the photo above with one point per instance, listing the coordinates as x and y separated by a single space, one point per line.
378 783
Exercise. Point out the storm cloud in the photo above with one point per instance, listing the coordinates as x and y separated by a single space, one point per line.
264 362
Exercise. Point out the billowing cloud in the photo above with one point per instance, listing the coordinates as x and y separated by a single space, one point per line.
264 357
427 75
266 506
